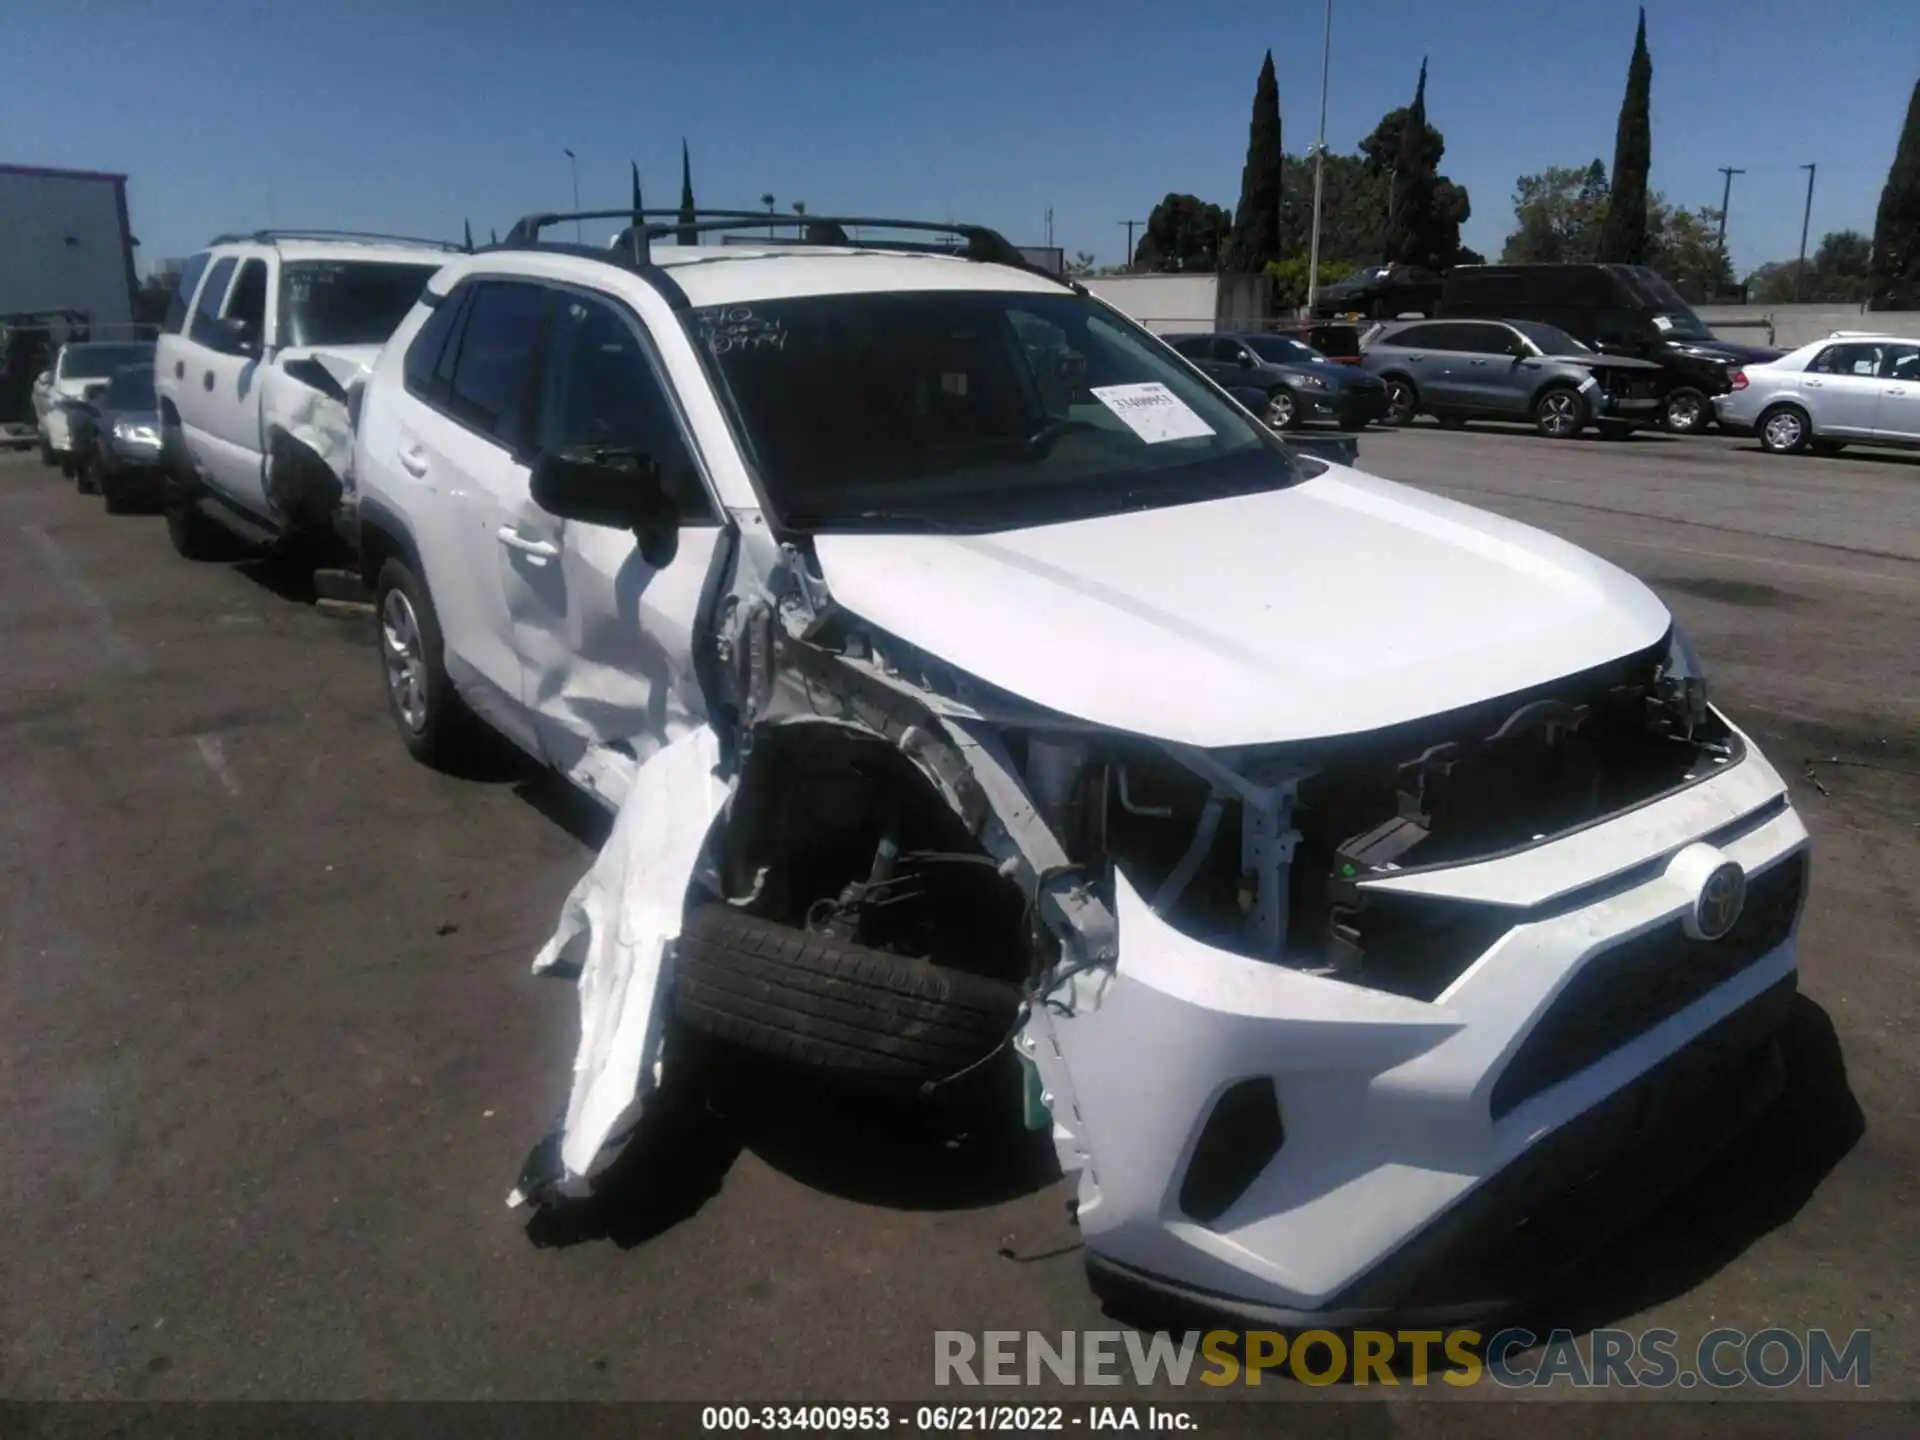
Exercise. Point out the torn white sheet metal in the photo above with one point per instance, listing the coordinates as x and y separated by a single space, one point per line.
614 930
315 414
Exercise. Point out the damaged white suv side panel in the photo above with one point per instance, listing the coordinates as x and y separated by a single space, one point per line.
1359 880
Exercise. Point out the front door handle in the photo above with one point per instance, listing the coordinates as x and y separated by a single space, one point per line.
207 382
414 462
1812 384
1895 390
179 369
514 540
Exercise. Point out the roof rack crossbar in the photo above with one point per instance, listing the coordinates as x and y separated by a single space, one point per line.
981 243
267 237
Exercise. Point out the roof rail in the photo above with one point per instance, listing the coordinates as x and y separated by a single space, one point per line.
976 242
268 237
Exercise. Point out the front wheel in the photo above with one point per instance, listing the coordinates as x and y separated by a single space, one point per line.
1283 412
1403 403
1686 412
1785 430
434 723
1559 413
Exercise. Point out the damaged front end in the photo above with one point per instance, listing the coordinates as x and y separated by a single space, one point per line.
1266 994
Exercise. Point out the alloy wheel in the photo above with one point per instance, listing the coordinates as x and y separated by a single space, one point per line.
406 660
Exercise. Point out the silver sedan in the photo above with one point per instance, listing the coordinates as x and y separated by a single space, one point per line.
1848 388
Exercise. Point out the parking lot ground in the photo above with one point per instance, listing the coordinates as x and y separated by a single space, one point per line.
270 1054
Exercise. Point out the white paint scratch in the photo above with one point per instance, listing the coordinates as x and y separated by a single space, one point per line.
112 639
215 754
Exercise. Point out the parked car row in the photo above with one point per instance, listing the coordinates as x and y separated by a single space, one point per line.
924 621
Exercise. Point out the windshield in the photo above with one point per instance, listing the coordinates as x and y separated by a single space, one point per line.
1551 339
132 389
1282 351
972 410
1681 325
97 362
347 302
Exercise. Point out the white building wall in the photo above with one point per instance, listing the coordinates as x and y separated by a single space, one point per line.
64 244
1163 304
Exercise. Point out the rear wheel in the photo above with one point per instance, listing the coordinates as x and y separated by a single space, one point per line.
434 723
1403 402
1785 430
1686 412
83 475
1559 413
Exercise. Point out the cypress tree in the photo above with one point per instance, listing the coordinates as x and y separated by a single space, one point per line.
687 235
1623 236
1896 225
1408 220
1256 224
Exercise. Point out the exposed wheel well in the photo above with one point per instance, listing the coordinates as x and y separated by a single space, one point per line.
380 541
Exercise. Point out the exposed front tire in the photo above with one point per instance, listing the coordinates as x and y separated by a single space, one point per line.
832 1006
434 722
1686 411
1559 413
1784 430
1403 401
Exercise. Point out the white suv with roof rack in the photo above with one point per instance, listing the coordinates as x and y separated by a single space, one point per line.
925 621
263 336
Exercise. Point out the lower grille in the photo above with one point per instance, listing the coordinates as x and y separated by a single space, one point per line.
1623 992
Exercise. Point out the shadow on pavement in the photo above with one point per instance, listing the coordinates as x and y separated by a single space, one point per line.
1759 1183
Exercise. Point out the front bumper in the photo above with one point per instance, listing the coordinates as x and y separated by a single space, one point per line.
1415 1137
1350 409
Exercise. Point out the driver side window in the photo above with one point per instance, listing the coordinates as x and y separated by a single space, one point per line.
599 388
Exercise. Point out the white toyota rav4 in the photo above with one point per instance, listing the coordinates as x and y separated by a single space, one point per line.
1374 900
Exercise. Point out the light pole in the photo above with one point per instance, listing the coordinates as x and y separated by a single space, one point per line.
573 164
1726 198
1130 224
767 200
1319 164
1806 217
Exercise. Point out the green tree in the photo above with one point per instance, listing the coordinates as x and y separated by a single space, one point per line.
1623 234
1896 225
1409 215
1289 278
1557 215
1684 246
1183 233
1839 273
1255 239
1081 263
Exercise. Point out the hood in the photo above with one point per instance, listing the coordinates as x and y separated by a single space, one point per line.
1340 605
1336 375
1727 350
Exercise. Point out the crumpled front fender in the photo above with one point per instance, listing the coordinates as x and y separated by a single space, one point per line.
614 936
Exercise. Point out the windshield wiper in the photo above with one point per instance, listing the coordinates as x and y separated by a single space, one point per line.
816 520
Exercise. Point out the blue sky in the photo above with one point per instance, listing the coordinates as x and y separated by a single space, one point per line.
410 115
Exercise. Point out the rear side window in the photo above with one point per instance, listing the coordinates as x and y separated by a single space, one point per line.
1194 347
491 390
211 294
430 344
1478 339
1417 337
190 274
1901 362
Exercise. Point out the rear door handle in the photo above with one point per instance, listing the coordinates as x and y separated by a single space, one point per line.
179 369
514 540
1812 384
414 462
206 382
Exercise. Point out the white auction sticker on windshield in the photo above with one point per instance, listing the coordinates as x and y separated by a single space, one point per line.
1152 412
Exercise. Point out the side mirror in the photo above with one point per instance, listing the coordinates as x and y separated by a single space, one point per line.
94 391
1246 361
622 489
43 380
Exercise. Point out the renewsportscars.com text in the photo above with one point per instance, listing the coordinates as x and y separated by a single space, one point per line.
1723 1359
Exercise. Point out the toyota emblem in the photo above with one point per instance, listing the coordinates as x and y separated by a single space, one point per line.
1720 902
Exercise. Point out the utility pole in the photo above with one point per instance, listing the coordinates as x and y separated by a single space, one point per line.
1130 224
1319 163
1049 227
573 163
1806 218
1726 197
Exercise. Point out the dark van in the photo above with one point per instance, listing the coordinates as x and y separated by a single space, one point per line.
1619 310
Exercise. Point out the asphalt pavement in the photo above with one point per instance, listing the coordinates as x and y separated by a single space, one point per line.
271 1054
